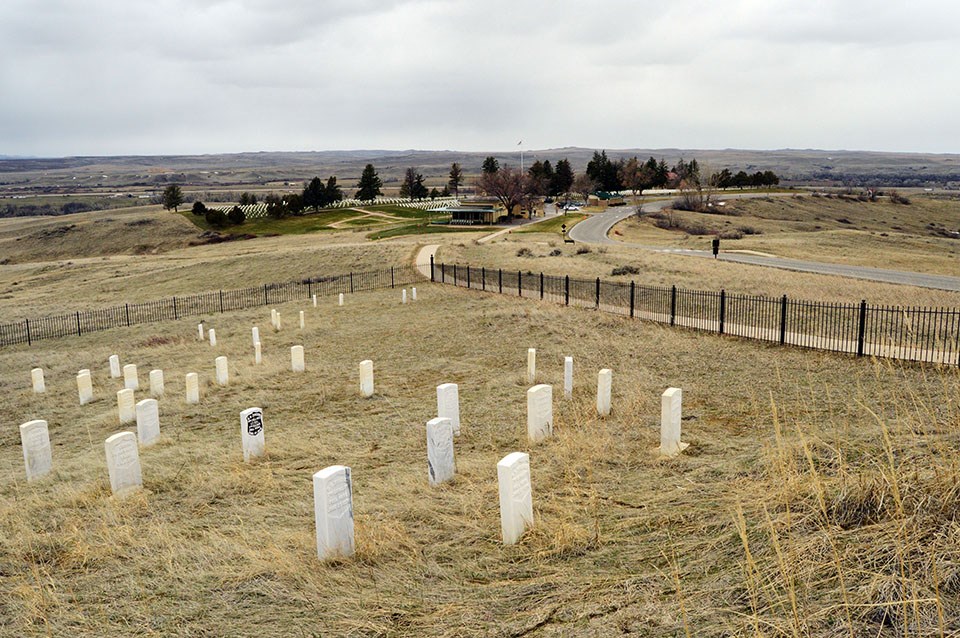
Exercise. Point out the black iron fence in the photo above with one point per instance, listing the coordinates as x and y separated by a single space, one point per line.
914 333
83 321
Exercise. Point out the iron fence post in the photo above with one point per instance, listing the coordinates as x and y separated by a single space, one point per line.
483 277
468 276
392 282
221 302
519 283
266 301
351 282
783 320
78 324
673 305
175 313
29 340
633 288
862 329
432 277
454 275
126 310
566 290
541 285
723 308
500 279
443 273
598 293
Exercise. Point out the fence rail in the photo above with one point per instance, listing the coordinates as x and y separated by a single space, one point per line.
80 322
911 333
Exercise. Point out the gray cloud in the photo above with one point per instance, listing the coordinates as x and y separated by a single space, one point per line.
196 76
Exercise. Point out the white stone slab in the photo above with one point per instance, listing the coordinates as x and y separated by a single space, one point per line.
37 453
273 318
251 433
670 414
366 378
123 463
333 511
539 412
568 377
115 366
302 323
36 377
256 335
200 331
314 301
531 365
278 325
403 296
516 501
126 407
85 387
257 354
448 404
131 381
413 294
223 373
297 363
341 299
604 389
156 383
148 421
213 337
440 459
193 387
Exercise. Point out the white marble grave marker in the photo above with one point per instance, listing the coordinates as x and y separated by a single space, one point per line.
193 387
200 331
277 326
37 456
539 412
341 299
301 320
440 461
448 404
366 378
123 462
213 337
148 421
297 363
604 388
85 387
333 510
156 383
314 301
257 356
36 376
126 407
256 335
531 365
516 501
223 374
403 296
114 366
670 413
413 294
251 433
568 377
130 379
273 318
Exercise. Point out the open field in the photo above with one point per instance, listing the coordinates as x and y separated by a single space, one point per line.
818 497
880 234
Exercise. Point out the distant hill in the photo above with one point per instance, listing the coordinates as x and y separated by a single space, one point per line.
835 167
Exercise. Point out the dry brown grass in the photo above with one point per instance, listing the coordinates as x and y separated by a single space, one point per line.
880 234
818 497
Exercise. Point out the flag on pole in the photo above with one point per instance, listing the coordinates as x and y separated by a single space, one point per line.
520 142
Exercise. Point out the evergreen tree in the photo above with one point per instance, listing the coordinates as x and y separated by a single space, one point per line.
456 179
314 194
490 165
332 193
198 208
172 197
562 178
369 185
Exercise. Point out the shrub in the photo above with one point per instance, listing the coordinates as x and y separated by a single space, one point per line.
199 209
625 270
525 252
732 233
583 250
749 230
216 218
556 252
897 198
236 216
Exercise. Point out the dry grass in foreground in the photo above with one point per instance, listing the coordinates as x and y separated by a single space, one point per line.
820 495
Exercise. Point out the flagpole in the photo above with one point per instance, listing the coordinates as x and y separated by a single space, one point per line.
520 144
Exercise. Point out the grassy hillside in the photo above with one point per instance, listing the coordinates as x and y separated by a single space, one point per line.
818 496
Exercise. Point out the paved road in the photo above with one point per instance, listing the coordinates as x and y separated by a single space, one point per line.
595 229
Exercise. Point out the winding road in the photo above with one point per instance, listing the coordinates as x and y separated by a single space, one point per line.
595 230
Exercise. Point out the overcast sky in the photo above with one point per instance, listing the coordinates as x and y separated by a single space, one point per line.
105 77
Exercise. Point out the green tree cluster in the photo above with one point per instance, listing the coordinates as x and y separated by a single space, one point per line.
413 186
368 188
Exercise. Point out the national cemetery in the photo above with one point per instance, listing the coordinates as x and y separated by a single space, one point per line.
437 461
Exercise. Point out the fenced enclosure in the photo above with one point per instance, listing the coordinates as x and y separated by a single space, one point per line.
911 333
80 322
